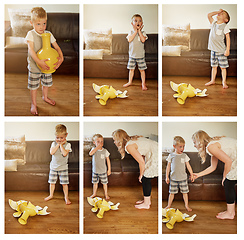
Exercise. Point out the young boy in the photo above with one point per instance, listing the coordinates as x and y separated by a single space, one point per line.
176 167
219 51
136 39
100 170
34 41
59 150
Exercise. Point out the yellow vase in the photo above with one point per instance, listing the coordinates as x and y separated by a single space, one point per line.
47 52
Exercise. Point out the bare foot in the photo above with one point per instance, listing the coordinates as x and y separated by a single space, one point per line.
144 88
142 206
93 195
107 197
226 215
34 110
225 85
141 201
67 201
48 198
168 207
188 208
127 84
210 83
49 101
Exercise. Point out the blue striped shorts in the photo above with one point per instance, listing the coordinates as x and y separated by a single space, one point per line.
176 185
139 61
102 176
34 80
219 59
63 176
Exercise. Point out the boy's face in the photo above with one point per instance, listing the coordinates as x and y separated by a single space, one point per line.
39 25
61 137
98 142
179 148
222 16
137 22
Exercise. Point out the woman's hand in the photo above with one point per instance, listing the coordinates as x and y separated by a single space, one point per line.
140 177
223 181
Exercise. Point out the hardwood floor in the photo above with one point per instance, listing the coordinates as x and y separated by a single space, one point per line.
126 220
205 221
219 102
65 91
139 103
63 219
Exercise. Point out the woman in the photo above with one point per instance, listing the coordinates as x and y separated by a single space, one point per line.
145 152
225 150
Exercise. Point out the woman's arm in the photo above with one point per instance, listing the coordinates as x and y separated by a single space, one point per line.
132 149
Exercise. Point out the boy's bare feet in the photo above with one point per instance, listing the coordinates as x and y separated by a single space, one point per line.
34 110
225 85
107 197
67 201
49 101
93 195
188 208
48 198
210 83
127 84
144 88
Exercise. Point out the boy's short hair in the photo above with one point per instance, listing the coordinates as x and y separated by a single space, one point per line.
178 139
136 15
95 136
227 16
38 13
60 129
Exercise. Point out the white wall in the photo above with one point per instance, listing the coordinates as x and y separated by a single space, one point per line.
132 128
118 16
48 7
186 129
40 131
196 14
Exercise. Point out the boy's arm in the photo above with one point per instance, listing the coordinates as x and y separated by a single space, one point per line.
94 150
190 170
64 151
33 54
60 53
227 51
131 37
142 37
167 172
54 149
211 14
108 165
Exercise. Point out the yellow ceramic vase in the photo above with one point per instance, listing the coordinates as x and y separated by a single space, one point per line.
47 52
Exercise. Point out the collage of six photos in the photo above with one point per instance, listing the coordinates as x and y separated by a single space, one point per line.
120 118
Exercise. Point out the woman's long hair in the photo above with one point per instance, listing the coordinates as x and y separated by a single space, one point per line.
201 140
121 138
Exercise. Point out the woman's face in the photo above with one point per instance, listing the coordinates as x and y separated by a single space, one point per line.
196 144
115 141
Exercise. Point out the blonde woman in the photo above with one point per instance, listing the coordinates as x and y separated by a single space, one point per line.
225 150
145 152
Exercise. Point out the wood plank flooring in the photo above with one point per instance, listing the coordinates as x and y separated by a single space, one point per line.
139 103
219 102
126 220
63 219
205 221
65 91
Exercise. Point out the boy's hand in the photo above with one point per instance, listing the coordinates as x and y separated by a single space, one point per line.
43 65
58 63
109 172
167 180
139 29
134 27
227 53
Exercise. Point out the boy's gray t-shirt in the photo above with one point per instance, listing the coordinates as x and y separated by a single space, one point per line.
59 162
99 161
136 47
216 40
178 166
36 38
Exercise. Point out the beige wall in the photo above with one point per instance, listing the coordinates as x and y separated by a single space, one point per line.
38 131
47 7
118 17
196 14
186 129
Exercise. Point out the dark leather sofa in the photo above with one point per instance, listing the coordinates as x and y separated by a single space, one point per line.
208 187
124 172
65 28
33 176
115 65
196 62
